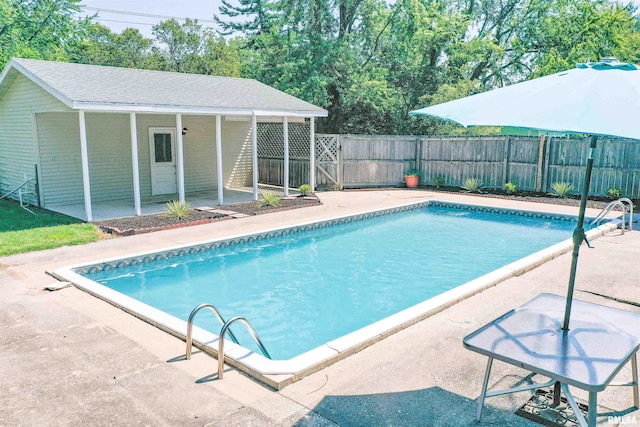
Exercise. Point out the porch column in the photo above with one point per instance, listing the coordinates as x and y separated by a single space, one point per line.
285 127
254 153
219 159
312 154
180 158
86 183
134 163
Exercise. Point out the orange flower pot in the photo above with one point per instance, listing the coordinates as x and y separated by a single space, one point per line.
412 181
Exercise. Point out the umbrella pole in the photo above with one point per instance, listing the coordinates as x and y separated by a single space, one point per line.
578 233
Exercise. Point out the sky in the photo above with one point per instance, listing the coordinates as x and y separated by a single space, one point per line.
130 13
121 14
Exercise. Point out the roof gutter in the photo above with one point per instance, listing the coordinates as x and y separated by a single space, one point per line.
173 109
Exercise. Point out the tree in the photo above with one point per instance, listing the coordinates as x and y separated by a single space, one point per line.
100 46
221 57
258 12
184 44
37 28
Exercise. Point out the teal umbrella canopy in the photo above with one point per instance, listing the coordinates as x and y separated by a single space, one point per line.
600 98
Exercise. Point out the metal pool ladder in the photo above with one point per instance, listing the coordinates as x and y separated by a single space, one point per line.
223 331
622 203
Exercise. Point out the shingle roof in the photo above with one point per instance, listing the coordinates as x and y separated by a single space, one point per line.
94 87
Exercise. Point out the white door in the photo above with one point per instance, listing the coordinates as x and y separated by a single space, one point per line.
163 160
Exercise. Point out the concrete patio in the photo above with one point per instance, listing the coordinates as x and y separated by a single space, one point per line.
67 358
157 204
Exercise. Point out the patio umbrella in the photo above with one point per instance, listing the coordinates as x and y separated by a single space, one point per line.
601 98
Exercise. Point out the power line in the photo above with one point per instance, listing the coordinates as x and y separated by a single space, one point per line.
146 15
124 22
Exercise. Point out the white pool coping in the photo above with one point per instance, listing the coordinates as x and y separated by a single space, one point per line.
279 373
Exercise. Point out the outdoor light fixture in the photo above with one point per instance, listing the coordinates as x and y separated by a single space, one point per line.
184 131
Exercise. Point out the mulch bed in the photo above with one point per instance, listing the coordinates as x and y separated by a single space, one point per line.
129 226
596 202
148 223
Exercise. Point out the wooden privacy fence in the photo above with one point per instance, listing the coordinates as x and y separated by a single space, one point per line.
532 163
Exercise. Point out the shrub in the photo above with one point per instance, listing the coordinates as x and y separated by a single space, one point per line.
561 189
472 185
413 172
177 210
438 181
305 189
510 187
269 199
614 193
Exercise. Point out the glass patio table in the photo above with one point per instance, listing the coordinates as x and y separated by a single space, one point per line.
600 341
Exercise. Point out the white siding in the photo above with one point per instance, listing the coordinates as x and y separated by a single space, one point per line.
199 153
18 147
236 153
60 161
109 148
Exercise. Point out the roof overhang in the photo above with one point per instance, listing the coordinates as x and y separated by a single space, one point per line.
12 69
173 109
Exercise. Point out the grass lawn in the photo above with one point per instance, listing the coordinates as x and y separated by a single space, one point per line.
21 231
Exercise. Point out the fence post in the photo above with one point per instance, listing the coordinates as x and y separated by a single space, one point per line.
547 160
419 157
340 168
540 163
507 152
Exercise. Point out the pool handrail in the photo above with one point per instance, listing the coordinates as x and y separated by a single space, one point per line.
224 330
189 339
610 206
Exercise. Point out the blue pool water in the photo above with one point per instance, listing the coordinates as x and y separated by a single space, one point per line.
303 289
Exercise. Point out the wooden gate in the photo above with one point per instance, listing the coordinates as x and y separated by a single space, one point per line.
328 173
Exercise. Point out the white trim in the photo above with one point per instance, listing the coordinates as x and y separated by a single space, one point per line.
134 163
254 155
279 119
84 154
312 154
36 142
219 160
190 110
285 129
180 157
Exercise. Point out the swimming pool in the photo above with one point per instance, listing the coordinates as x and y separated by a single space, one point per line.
315 291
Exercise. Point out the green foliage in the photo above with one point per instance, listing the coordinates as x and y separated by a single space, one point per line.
130 49
472 185
368 62
510 187
176 209
561 189
614 193
38 29
269 198
438 181
305 189
413 172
